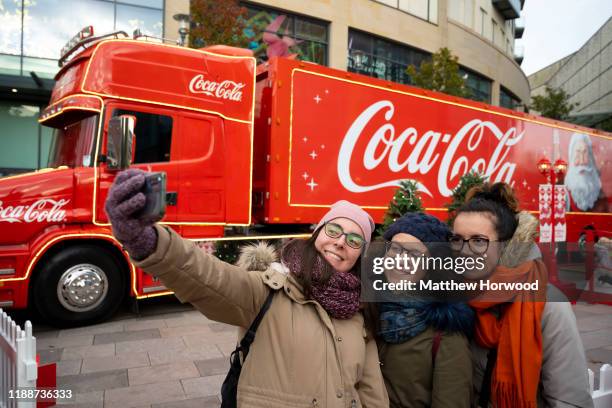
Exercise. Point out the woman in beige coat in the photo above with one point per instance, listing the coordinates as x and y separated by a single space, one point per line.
311 349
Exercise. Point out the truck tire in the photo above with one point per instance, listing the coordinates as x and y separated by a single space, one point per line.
79 285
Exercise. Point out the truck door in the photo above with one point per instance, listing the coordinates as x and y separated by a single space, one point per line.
156 137
201 155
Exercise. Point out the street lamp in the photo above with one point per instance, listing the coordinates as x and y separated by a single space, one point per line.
553 173
183 20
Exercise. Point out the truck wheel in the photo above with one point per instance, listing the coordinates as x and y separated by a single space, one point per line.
78 286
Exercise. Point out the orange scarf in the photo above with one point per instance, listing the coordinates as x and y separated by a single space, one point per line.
517 334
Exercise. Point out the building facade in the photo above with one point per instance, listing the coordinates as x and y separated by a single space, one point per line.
32 34
382 37
586 76
379 38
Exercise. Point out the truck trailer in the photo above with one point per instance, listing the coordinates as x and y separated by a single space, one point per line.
250 152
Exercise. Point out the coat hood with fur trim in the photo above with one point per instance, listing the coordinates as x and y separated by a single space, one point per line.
521 247
257 257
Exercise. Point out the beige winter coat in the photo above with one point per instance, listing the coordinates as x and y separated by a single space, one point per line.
301 356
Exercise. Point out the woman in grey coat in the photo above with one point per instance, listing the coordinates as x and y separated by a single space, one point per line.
526 352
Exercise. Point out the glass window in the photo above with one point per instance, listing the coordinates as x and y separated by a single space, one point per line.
19 141
419 8
46 136
277 33
469 13
454 10
380 58
479 86
129 18
392 3
433 11
316 32
44 68
72 145
49 24
508 100
462 11
425 9
153 136
10 64
145 3
10 27
483 21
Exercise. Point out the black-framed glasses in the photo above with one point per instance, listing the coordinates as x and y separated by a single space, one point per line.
353 240
478 245
393 249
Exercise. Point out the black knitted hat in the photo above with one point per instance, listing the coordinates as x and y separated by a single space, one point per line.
425 227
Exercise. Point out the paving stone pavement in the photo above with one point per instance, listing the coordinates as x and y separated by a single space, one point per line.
170 356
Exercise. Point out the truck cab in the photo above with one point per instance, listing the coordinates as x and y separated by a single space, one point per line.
193 113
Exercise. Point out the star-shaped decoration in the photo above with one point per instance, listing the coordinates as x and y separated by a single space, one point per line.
317 98
312 184
305 175
327 91
313 154
322 147
524 183
305 139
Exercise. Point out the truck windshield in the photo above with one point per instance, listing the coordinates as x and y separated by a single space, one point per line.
72 145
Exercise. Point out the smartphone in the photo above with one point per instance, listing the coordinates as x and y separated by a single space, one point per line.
155 191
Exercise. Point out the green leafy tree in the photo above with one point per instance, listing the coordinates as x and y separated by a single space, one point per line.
553 104
605 125
441 73
217 22
406 199
466 182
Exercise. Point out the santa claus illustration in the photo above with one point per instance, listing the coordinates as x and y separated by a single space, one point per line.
583 180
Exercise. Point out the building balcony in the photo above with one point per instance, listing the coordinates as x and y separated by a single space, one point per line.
510 9
519 53
519 27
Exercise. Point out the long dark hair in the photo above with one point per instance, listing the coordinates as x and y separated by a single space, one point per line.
498 200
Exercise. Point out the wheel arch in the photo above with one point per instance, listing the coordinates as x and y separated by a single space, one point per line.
62 243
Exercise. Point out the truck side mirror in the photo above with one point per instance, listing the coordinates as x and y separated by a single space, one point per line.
120 142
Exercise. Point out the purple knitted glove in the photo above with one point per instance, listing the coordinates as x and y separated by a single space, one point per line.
125 200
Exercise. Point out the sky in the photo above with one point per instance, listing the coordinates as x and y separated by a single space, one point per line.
557 28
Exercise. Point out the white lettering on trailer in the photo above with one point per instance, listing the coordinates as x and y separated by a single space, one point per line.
223 90
425 153
43 210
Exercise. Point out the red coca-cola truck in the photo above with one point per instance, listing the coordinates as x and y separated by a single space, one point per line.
248 151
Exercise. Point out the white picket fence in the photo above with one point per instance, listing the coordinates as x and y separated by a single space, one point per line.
602 397
17 360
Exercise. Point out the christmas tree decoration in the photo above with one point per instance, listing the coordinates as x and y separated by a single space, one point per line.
228 251
467 181
406 199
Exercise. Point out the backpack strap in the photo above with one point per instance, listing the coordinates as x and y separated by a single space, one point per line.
249 336
229 388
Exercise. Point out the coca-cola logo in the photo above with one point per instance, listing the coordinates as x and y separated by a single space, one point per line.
223 90
422 152
43 210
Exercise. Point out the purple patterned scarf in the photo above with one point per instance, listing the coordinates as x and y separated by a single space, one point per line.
339 296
